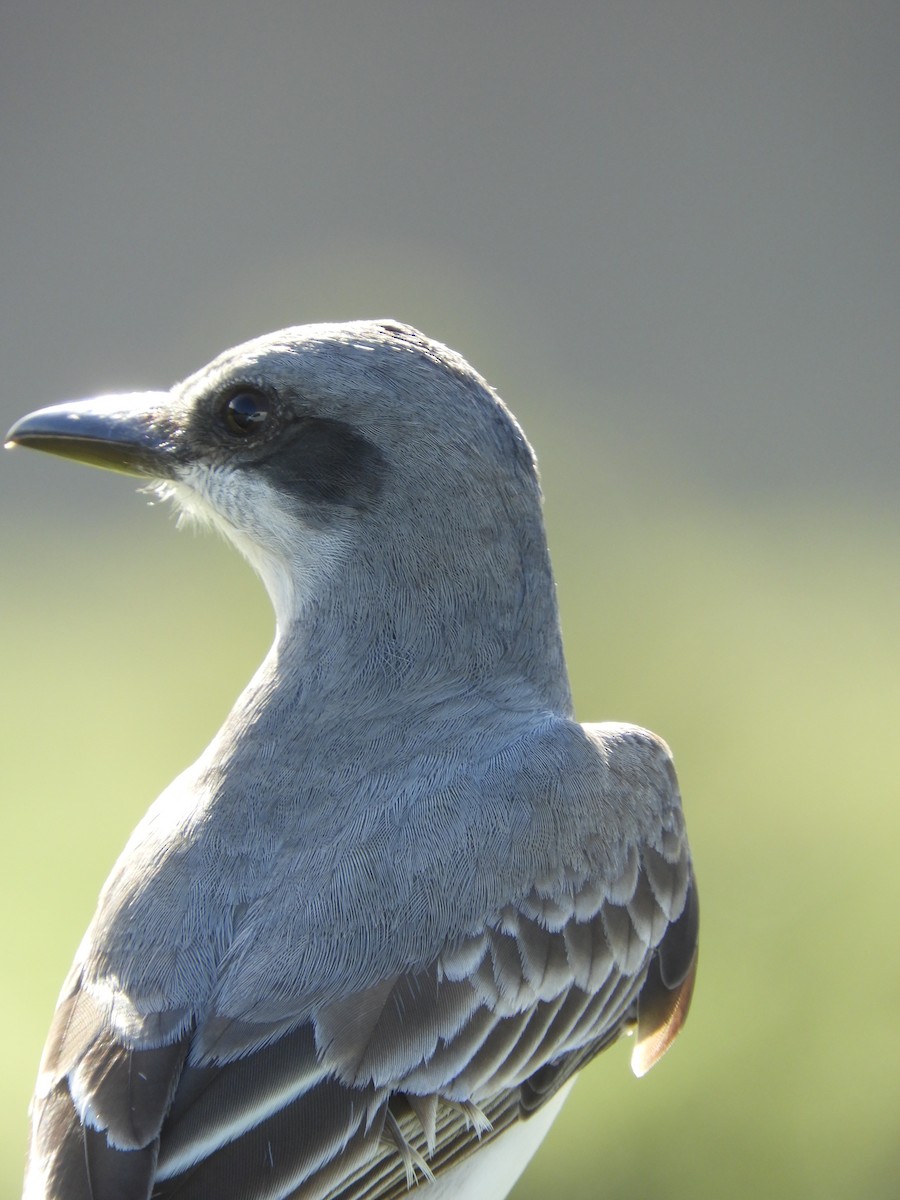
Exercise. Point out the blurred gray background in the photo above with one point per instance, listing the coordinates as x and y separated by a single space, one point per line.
669 234
679 218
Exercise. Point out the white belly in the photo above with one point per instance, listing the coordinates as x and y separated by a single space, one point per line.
489 1174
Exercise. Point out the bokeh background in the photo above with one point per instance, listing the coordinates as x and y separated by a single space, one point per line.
669 234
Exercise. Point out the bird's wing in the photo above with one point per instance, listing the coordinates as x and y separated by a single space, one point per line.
393 1082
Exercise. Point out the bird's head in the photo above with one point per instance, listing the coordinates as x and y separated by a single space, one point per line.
361 451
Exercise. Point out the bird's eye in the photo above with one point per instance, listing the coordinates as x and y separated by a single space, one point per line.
245 413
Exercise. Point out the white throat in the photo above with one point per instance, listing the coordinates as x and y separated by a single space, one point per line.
294 562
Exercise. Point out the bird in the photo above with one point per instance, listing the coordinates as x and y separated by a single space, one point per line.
363 946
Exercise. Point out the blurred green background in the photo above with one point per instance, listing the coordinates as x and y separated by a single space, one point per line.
668 234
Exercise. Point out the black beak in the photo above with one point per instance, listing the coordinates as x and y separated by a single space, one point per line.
129 433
